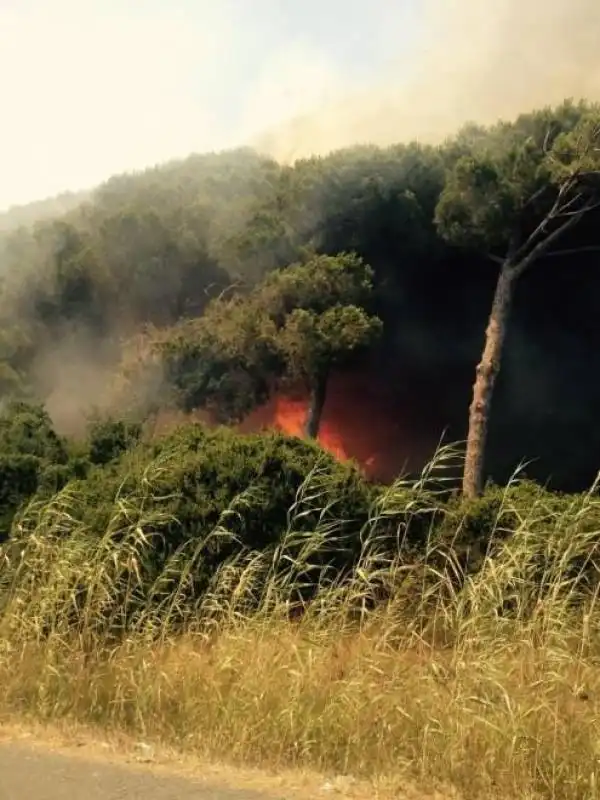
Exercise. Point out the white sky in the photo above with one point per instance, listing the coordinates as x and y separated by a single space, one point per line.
89 88
93 87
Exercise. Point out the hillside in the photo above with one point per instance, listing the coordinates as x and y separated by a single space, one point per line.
30 213
84 290
161 553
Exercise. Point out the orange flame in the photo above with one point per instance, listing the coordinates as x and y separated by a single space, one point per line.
362 420
290 417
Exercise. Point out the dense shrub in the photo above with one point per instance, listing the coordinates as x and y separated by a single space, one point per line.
33 458
214 494
472 528
18 481
110 438
54 477
27 430
200 499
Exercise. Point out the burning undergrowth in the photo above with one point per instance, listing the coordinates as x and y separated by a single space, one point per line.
362 421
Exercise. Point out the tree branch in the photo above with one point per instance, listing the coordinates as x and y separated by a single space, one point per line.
517 268
590 206
573 251
536 196
564 206
540 231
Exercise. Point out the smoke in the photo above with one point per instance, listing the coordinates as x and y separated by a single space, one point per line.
455 61
384 432
93 88
79 375
468 61
310 76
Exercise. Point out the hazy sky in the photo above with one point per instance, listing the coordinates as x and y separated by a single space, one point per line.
89 88
93 87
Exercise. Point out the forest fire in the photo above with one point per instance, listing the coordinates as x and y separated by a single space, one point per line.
385 432
361 421
290 417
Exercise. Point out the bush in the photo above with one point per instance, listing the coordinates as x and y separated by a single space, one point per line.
18 482
27 430
109 439
211 495
472 528
29 447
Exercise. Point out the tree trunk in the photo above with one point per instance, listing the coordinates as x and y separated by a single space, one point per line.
317 403
483 389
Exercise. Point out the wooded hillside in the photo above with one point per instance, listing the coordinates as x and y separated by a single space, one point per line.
192 251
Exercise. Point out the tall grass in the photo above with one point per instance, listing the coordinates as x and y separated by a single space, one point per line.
408 669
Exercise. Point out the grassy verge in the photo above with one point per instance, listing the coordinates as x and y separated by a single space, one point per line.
486 682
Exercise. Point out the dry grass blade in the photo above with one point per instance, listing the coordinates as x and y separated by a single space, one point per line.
404 667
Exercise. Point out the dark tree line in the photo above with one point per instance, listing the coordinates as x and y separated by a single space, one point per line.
206 249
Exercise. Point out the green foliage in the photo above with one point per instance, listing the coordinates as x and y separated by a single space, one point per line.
33 459
297 323
478 203
202 503
320 310
222 361
312 343
220 494
473 528
110 438
19 479
52 478
259 273
499 189
27 430
159 246
316 284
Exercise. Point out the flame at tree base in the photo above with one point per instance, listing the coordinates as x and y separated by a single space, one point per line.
361 421
290 417
383 432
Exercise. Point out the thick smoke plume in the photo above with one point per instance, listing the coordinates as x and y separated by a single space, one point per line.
469 61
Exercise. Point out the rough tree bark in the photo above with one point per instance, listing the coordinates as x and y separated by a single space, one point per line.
318 394
483 388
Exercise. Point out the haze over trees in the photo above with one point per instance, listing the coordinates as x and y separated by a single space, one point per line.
217 258
295 326
519 196
207 555
29 213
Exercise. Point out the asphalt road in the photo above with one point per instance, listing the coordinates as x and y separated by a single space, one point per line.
31 773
